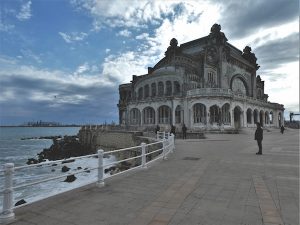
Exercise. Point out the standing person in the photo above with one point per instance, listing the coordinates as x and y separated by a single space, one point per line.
173 130
157 129
282 129
259 137
184 131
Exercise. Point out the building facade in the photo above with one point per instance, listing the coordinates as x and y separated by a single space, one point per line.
206 84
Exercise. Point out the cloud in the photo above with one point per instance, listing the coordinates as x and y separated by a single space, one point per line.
25 12
125 33
133 14
30 93
248 16
73 36
277 52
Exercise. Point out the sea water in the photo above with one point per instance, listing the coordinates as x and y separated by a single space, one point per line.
14 149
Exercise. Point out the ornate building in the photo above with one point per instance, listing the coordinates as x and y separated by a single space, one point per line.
206 84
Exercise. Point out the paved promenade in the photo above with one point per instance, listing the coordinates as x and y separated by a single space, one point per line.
213 181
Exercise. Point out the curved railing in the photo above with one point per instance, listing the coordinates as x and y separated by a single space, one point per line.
161 148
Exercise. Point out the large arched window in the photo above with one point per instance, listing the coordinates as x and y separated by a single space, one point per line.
164 115
238 86
214 114
225 111
199 111
255 115
168 88
176 88
153 89
146 91
135 116
149 115
271 117
160 88
140 93
249 116
178 114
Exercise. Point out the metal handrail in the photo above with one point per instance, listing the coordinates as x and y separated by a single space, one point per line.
7 215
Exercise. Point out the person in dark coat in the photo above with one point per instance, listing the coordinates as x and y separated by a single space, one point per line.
173 129
157 129
184 131
259 137
282 129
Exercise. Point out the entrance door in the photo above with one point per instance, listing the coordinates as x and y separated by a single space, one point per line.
237 117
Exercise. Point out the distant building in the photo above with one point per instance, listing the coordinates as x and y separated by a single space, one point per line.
206 84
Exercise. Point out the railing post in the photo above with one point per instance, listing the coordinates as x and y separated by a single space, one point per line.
7 215
172 138
100 182
157 135
164 148
143 146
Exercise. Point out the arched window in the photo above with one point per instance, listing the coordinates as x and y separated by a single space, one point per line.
164 115
255 116
149 115
214 114
160 88
135 116
153 89
176 88
225 113
199 111
267 121
249 116
169 88
238 86
271 117
146 91
140 96
178 114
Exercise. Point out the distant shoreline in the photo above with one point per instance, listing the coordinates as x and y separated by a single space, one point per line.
41 126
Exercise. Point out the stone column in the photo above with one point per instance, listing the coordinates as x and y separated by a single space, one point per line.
173 113
232 118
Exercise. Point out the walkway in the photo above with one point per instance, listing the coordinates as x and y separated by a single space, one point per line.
213 181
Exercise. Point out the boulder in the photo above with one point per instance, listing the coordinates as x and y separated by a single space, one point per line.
21 202
65 169
32 161
70 179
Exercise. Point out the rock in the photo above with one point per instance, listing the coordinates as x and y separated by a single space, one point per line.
70 179
32 161
54 164
110 169
86 170
79 167
53 170
68 161
65 169
21 202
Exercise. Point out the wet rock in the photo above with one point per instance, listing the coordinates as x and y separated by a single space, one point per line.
70 179
21 202
65 169
68 161
32 161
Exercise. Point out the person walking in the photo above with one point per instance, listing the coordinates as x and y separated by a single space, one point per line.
173 130
259 137
184 131
157 129
282 129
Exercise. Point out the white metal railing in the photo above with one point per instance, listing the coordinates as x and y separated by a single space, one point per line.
163 139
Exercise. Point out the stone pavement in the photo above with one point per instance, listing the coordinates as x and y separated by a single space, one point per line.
213 181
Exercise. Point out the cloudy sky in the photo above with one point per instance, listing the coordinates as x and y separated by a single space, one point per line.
62 60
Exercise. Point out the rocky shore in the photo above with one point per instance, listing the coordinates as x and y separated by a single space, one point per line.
62 148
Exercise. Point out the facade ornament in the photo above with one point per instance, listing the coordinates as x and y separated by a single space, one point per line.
250 56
